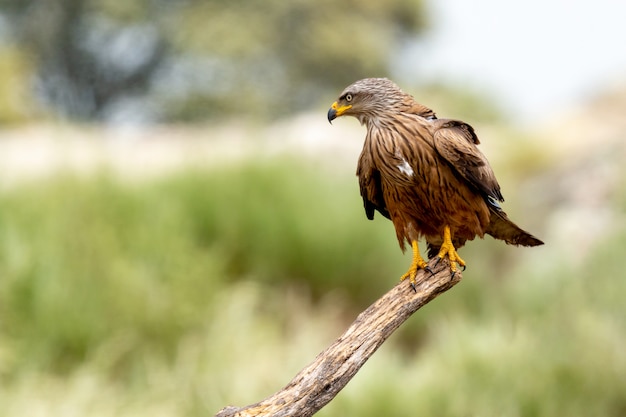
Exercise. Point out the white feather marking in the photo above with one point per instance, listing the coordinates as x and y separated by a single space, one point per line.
405 168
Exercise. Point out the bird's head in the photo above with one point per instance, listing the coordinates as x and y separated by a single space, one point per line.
366 99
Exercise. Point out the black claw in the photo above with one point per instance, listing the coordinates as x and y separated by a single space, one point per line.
452 275
463 266
414 287
438 260
427 269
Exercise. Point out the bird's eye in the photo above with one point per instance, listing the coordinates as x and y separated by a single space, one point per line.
348 97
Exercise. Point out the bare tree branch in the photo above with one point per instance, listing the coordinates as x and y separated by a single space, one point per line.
318 383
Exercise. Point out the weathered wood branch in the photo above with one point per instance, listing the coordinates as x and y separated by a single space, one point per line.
318 383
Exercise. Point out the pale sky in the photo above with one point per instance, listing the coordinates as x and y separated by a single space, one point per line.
537 57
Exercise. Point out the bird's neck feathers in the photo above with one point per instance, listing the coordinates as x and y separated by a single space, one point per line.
383 113
377 113
369 120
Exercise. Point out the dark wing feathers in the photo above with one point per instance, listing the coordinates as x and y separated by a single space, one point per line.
456 142
371 190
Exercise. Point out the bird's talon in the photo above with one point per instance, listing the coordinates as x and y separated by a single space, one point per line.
447 249
429 270
416 264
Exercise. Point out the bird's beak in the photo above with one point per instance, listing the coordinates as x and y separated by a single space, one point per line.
336 110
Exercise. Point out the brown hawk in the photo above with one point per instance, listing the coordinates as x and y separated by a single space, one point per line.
425 174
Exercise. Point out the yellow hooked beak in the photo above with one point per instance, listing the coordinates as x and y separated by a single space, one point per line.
336 110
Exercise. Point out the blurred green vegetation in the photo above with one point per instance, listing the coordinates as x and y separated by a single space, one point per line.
147 260
155 60
207 288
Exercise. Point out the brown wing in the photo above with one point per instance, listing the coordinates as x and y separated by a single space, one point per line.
456 142
371 189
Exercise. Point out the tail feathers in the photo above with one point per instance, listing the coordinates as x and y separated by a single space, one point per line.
504 229
500 228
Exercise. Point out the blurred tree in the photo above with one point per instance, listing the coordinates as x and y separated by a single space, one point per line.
193 59
16 100
88 54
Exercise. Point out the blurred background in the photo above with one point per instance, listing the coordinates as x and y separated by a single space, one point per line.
181 229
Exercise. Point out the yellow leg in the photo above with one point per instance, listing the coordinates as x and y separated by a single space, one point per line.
417 263
447 248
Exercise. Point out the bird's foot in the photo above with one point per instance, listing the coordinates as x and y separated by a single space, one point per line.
417 264
447 249
412 272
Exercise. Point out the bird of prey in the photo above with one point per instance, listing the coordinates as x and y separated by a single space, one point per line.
424 174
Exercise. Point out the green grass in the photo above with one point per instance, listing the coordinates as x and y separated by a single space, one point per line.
183 295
